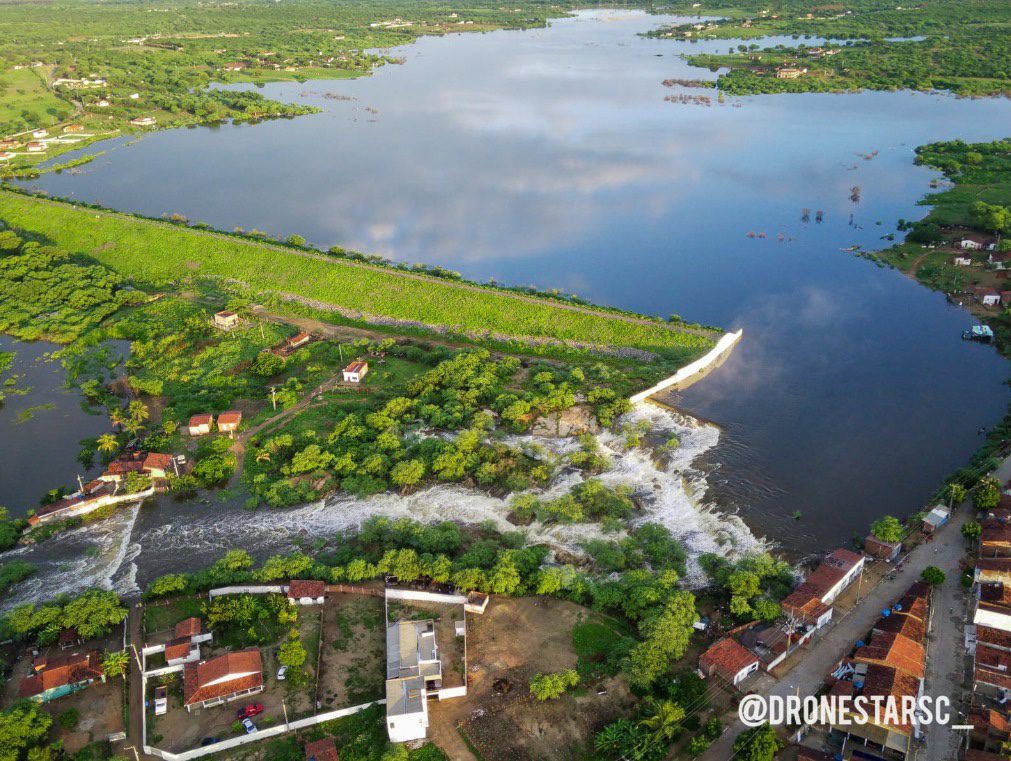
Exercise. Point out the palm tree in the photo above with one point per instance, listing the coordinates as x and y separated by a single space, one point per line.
108 442
116 663
138 411
664 720
118 418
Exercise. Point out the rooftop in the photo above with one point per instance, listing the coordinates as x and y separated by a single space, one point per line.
60 671
223 675
728 657
298 588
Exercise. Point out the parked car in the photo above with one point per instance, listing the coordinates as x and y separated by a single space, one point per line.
281 673
253 709
208 741
249 726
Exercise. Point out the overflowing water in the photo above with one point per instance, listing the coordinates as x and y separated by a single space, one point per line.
135 545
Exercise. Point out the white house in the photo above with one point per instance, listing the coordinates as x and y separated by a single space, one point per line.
963 260
413 669
356 372
39 134
977 242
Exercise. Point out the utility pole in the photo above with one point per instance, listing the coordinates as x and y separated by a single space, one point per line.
341 350
80 482
273 397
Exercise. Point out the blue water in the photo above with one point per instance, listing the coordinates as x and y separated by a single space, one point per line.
551 157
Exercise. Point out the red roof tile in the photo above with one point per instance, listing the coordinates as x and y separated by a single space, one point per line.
178 648
61 671
230 417
727 657
298 588
190 627
222 676
895 650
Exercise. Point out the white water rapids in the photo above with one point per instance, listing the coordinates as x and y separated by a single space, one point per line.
132 547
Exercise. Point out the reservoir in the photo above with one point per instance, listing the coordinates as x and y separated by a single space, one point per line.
554 157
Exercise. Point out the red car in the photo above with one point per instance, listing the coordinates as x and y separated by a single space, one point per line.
253 709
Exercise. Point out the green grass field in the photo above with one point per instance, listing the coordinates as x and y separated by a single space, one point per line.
161 253
26 102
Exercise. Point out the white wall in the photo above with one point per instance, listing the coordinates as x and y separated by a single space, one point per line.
252 589
724 345
262 734
411 594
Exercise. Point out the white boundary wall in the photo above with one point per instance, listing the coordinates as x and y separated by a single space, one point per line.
262 734
723 346
412 594
252 589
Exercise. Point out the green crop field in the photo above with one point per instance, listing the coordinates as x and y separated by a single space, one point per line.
156 253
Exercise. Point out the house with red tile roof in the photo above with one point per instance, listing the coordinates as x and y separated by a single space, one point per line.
222 679
158 465
811 602
995 541
895 650
229 421
306 592
881 550
990 728
200 425
356 372
52 678
184 647
729 660
993 570
883 733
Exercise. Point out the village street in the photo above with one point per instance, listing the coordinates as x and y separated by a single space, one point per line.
944 674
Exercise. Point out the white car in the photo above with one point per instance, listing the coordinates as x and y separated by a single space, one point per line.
281 673
249 726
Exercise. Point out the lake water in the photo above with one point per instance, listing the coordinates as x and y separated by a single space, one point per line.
41 430
551 157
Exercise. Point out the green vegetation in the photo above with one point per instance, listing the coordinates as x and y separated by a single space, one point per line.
933 575
758 744
47 293
551 686
600 648
949 45
160 253
14 571
23 727
93 613
752 586
888 529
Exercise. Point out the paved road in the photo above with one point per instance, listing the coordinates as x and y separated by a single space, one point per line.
134 731
837 639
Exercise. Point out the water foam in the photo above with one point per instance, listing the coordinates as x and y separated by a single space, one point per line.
173 538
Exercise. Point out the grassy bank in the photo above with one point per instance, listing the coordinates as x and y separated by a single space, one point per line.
161 253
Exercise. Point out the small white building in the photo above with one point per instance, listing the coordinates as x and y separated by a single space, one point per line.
977 242
962 260
356 372
306 592
40 133
200 425
144 121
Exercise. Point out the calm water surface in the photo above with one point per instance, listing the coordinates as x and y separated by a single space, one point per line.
551 157
40 431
